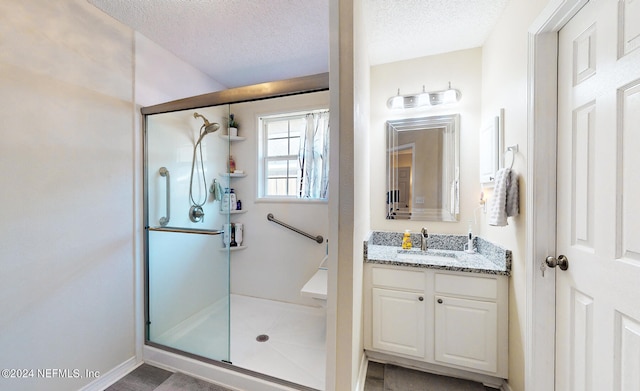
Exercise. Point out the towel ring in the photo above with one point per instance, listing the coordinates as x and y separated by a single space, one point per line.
513 149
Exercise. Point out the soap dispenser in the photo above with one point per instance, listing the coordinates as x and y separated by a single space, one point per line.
406 240
469 248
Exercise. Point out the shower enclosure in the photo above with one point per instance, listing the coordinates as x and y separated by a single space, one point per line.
188 300
187 265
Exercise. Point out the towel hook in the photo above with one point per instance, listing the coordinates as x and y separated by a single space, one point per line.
513 149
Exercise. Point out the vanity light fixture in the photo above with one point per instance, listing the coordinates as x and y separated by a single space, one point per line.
424 98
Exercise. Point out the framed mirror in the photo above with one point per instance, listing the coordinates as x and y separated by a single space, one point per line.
423 168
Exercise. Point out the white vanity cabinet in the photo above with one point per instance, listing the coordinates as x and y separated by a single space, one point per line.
446 318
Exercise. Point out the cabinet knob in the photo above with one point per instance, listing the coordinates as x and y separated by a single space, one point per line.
421 298
439 301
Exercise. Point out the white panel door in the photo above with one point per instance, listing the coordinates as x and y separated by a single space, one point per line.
404 187
598 211
398 322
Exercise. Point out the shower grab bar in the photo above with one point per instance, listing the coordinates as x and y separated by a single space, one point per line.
165 220
318 238
185 230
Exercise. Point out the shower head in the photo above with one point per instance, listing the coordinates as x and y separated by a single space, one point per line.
208 127
211 128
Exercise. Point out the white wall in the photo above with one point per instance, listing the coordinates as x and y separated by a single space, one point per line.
70 197
277 262
504 85
464 70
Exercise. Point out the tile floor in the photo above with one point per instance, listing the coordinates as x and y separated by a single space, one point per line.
387 377
150 378
380 377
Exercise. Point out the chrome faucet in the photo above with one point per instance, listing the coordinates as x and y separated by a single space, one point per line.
423 242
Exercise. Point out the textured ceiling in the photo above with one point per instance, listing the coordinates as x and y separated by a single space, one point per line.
243 42
403 29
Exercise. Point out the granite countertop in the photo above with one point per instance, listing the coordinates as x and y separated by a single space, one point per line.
445 252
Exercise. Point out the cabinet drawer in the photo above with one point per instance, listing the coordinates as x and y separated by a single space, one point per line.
480 287
403 279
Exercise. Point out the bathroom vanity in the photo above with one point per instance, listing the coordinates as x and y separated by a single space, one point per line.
442 310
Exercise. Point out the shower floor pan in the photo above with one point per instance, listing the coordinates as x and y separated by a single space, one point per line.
283 340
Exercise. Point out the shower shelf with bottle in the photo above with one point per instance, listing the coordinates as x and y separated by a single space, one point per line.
233 212
233 174
236 248
230 176
232 138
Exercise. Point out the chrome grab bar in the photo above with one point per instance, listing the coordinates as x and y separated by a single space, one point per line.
165 220
318 238
185 230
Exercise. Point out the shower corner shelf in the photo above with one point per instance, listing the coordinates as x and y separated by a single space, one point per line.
231 138
232 175
237 248
233 212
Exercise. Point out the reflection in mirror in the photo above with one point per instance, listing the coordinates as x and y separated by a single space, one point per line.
423 165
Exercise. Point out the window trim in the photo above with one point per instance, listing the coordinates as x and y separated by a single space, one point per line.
261 185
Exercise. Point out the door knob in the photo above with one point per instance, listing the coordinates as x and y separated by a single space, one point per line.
562 262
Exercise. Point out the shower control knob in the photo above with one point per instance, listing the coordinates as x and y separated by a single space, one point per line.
196 213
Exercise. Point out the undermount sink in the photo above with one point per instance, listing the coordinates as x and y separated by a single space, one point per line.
427 256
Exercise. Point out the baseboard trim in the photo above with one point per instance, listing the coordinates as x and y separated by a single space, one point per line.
117 373
362 373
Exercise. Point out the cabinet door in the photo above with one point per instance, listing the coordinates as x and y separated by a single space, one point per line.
398 322
466 333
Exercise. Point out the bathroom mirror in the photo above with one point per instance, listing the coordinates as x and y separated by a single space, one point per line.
423 165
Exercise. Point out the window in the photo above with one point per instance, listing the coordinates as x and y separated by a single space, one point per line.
294 156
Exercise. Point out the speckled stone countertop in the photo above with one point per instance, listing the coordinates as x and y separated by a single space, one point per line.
444 252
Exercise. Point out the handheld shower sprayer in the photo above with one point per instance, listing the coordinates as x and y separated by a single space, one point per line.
196 213
208 127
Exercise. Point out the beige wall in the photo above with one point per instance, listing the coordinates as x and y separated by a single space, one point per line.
464 70
504 85
70 199
67 281
362 176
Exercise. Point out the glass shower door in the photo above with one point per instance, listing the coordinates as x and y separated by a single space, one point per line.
187 267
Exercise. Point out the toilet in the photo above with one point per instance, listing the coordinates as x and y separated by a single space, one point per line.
316 287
